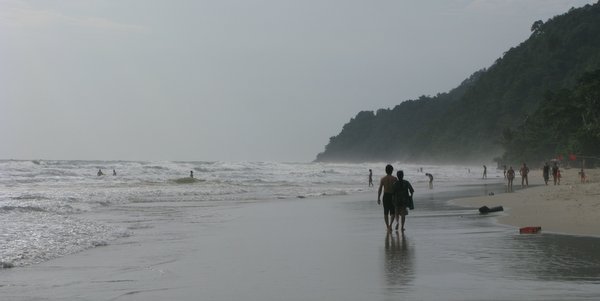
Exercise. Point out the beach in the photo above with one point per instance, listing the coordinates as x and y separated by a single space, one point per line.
249 231
316 248
569 208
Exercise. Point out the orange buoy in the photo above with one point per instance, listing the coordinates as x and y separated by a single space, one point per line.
530 230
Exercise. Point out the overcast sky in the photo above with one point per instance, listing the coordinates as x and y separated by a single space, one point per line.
260 80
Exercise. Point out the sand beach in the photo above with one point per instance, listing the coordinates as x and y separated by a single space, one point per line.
327 248
569 208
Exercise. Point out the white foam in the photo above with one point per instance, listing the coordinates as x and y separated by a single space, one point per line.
42 202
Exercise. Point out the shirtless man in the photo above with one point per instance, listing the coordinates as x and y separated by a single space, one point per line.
387 186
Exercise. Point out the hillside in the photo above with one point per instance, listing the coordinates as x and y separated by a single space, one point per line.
467 123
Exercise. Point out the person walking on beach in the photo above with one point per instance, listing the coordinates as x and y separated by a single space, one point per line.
430 180
484 172
403 192
370 178
546 173
582 176
524 171
558 176
510 175
555 172
387 186
505 171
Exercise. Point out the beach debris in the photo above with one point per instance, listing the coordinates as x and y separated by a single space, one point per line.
491 193
486 209
530 230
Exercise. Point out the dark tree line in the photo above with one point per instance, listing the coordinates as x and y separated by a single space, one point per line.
472 121
566 122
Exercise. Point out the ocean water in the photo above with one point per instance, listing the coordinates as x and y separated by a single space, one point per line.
50 209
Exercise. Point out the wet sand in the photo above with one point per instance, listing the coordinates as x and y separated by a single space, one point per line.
333 248
569 208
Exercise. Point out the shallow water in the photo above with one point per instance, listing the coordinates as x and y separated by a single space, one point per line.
310 250
333 248
48 208
241 232
451 253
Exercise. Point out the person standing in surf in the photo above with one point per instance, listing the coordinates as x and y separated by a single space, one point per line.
386 185
370 178
430 180
484 172
403 192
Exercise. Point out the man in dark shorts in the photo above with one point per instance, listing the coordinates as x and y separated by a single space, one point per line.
403 191
387 186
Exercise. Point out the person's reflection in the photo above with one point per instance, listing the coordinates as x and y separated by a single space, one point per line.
398 261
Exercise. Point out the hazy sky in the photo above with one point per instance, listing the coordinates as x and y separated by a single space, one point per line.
231 79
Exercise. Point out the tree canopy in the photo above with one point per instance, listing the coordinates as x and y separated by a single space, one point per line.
473 121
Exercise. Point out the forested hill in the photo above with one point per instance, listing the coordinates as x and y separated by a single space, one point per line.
466 124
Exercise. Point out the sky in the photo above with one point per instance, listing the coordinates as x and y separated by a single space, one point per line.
231 80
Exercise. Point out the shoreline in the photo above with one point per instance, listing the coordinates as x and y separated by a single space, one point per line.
316 248
571 208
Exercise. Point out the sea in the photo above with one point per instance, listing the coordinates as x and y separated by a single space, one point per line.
52 208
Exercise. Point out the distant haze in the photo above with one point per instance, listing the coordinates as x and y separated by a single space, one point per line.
231 80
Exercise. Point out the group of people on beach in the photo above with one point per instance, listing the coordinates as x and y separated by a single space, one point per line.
555 173
397 197
509 175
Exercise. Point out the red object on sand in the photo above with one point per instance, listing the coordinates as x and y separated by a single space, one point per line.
530 230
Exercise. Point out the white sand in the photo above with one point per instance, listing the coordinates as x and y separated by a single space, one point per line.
568 208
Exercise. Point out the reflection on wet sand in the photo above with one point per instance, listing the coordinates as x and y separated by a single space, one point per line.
555 257
399 263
